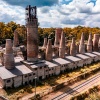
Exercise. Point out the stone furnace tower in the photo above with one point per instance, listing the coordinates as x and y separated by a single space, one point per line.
9 61
32 33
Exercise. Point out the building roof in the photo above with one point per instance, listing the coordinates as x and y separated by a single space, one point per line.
50 64
38 65
19 69
18 59
90 54
72 58
60 61
82 56
96 53
5 74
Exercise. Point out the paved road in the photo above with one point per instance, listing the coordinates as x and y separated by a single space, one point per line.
79 88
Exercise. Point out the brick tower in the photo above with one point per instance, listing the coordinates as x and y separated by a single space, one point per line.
82 45
16 39
58 32
73 48
45 42
9 61
95 42
49 50
89 44
62 46
32 33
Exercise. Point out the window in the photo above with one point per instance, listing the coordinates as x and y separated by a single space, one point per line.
33 73
30 75
35 68
8 81
45 66
25 76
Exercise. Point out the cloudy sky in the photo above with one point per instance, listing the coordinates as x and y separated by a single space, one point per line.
53 13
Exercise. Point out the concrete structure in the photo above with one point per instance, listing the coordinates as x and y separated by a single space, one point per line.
62 46
97 54
95 42
67 50
32 33
2 58
73 48
45 42
15 77
62 63
76 62
99 44
90 43
58 32
77 48
82 45
9 62
49 50
16 39
92 56
18 71
86 59
56 51
56 42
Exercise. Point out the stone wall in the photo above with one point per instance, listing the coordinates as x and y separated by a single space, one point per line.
17 81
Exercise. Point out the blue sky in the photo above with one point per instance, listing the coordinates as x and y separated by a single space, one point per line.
53 13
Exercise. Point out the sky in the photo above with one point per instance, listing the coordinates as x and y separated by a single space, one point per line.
53 13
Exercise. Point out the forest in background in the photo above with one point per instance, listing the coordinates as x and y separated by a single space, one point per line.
7 32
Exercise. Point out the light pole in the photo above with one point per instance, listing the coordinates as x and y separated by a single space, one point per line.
35 87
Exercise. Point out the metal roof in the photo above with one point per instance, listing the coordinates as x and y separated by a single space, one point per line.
38 65
19 69
96 53
90 54
72 58
50 64
61 61
45 63
82 56
5 74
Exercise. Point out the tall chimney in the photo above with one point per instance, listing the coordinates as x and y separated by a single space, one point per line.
9 62
73 48
62 46
99 44
67 50
56 45
49 50
32 33
58 33
82 45
77 48
16 40
95 42
45 42
2 58
89 44
56 42
56 51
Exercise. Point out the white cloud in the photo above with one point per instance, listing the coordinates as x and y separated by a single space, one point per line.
11 13
77 12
